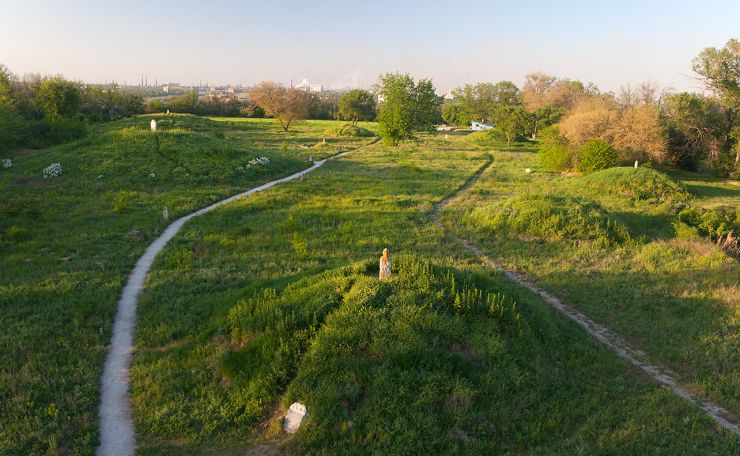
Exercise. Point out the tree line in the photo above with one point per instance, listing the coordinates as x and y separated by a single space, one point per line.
37 111
576 121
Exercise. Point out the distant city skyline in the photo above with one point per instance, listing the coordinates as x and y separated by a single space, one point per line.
342 45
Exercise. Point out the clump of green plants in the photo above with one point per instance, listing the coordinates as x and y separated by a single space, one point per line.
348 131
550 217
596 154
487 136
639 183
554 153
712 223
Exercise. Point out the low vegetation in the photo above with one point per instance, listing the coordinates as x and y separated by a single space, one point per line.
294 312
669 285
68 243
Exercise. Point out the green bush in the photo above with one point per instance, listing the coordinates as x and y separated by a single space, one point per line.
11 126
44 133
490 135
349 131
596 155
711 223
554 153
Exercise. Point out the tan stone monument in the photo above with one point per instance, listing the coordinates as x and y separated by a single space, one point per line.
385 265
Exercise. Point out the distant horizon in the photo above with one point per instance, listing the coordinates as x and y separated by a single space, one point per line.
349 46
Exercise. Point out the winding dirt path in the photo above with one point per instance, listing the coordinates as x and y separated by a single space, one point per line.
117 436
614 342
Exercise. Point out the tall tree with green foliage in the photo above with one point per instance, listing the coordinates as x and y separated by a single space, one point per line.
720 71
58 98
357 105
406 107
481 100
453 113
512 121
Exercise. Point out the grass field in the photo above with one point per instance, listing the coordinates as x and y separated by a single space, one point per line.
609 244
68 243
274 299
224 347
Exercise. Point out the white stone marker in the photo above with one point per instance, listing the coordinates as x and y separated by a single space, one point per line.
153 125
165 214
636 164
293 419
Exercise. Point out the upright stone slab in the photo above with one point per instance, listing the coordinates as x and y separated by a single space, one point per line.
153 125
385 265
293 419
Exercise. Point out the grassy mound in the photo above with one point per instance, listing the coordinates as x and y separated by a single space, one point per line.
418 347
641 184
491 135
349 131
550 217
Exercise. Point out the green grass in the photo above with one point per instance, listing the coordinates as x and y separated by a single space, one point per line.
671 293
280 304
273 299
68 243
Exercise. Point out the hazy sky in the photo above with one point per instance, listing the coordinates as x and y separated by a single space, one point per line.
349 43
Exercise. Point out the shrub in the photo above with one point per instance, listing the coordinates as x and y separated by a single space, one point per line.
349 131
44 133
11 126
53 170
596 154
712 223
554 152
490 135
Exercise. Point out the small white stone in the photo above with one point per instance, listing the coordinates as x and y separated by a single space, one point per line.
153 125
636 164
293 419
165 214
528 170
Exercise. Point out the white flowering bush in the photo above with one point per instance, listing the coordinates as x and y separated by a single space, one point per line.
6 163
259 161
53 170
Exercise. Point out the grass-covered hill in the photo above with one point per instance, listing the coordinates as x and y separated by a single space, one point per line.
67 244
274 299
635 249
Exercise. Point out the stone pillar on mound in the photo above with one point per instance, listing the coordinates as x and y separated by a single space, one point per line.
385 265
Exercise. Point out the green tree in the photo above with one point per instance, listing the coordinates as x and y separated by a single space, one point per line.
544 117
453 113
696 124
357 105
512 121
720 70
406 107
58 98
481 100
